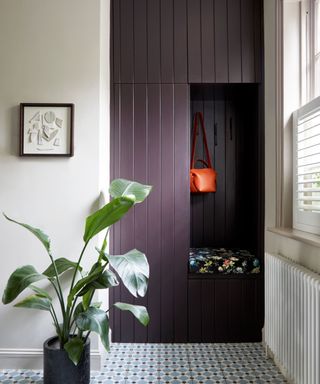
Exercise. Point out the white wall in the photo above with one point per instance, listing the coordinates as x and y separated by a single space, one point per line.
51 51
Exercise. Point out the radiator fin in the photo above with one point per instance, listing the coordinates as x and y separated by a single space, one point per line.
292 299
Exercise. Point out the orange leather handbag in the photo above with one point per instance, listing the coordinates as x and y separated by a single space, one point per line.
202 180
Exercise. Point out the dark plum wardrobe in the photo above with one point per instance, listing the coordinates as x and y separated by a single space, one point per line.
169 60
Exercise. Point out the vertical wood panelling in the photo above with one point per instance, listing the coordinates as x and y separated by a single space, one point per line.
195 304
258 43
208 314
231 171
220 214
150 129
209 198
115 318
234 41
194 41
181 41
126 171
166 28
217 219
247 41
207 41
222 307
221 41
181 214
167 212
197 221
140 174
154 41
154 227
158 47
115 44
180 50
140 41
126 41
236 301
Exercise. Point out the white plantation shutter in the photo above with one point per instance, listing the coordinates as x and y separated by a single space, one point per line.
306 160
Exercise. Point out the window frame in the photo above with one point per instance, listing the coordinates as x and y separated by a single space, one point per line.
308 54
309 103
303 220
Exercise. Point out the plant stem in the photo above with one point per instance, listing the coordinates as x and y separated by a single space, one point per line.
55 320
87 335
104 244
70 309
61 300
77 266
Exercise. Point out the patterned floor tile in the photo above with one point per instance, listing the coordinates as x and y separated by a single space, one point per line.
174 364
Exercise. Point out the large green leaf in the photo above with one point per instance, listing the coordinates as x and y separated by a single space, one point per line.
35 302
79 308
123 187
86 298
133 269
19 280
37 232
74 348
105 280
95 320
106 216
83 282
41 292
62 265
138 311
82 308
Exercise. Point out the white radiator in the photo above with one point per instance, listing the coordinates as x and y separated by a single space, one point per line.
292 318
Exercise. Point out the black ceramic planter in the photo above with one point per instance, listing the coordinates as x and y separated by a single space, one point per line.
59 369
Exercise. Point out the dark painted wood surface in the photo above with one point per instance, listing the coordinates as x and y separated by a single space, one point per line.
194 41
158 48
229 216
151 136
225 310
186 41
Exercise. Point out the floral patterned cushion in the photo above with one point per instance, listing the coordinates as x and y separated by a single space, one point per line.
222 260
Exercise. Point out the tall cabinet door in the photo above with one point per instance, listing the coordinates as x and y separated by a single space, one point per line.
224 41
150 142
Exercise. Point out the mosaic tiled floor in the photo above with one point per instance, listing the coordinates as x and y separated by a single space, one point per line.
175 363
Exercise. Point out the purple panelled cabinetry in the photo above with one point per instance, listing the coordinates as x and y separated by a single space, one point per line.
186 41
166 57
150 144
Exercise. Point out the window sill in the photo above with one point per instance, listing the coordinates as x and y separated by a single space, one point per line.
295 234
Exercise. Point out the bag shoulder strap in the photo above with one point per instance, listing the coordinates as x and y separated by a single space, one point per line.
199 116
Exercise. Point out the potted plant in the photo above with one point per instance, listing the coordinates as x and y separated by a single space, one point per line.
67 355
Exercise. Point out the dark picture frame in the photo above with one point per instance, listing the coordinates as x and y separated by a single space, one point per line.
47 129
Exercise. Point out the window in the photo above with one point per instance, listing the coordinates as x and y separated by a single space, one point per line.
306 189
309 49
317 48
306 124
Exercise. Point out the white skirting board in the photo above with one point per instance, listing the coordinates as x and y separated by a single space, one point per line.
32 359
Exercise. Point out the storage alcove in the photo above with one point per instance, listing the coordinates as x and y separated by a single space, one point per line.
160 49
227 307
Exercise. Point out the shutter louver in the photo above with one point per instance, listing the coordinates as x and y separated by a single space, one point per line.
308 162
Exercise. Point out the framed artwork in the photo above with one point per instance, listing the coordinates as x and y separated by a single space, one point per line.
46 129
